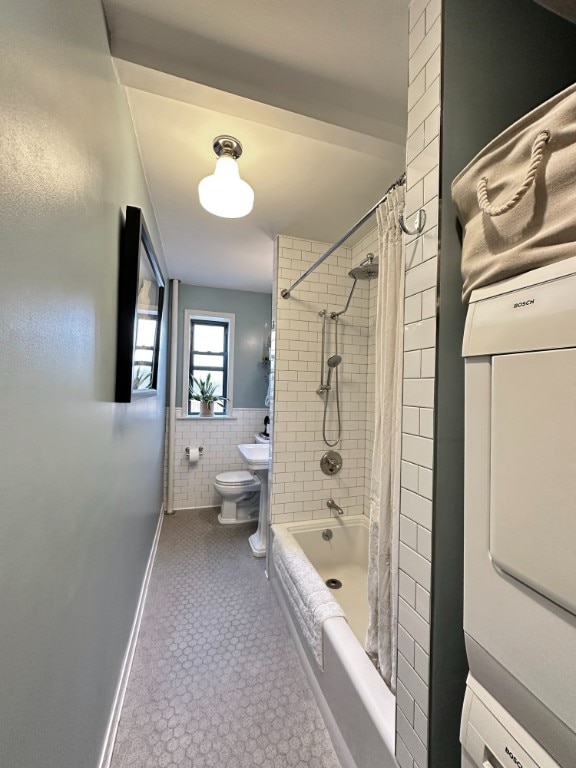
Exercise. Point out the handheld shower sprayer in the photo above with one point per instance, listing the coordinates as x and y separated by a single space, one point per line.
332 362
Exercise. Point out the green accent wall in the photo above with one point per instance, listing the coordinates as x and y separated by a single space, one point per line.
501 58
252 311
81 475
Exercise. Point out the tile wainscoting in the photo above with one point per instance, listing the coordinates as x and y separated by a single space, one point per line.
194 483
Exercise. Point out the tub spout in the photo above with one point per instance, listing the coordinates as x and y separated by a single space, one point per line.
333 507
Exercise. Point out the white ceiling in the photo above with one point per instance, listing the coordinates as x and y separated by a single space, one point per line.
316 93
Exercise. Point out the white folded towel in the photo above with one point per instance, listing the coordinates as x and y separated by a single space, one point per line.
311 600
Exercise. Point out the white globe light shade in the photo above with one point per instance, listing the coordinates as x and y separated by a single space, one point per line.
225 193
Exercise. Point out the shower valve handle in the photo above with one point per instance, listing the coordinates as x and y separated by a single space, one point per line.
331 463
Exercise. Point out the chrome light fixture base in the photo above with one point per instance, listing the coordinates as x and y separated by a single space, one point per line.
227 145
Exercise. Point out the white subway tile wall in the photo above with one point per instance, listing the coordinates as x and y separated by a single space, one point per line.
194 483
299 489
416 519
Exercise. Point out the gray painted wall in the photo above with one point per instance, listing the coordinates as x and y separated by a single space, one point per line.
81 476
501 58
252 311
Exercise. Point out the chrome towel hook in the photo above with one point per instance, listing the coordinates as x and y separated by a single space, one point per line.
419 223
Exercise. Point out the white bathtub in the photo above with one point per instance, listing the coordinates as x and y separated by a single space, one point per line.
357 706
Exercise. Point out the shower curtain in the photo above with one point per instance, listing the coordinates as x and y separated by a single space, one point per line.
381 637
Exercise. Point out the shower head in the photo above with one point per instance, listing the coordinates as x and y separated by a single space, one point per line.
368 270
332 363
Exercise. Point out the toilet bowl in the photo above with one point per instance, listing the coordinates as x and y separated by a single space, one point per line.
240 493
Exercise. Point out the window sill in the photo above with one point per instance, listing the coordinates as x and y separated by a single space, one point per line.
206 418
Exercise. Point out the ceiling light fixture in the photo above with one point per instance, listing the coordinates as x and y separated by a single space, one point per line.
224 193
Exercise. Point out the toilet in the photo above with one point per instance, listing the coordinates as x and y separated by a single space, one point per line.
240 492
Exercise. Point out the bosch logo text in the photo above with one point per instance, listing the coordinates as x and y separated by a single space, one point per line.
514 759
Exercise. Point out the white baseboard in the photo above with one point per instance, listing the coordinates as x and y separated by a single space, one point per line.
110 737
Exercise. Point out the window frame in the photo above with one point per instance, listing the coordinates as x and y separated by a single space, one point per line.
143 314
191 315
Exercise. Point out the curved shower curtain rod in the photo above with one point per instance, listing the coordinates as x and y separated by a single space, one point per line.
285 293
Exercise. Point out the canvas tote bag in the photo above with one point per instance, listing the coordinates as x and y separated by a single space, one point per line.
516 199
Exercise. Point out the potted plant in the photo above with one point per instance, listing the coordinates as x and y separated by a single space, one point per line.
203 391
141 379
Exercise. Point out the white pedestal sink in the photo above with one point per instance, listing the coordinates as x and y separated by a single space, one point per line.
257 457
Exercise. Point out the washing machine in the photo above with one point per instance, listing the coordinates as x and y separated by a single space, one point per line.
520 503
491 738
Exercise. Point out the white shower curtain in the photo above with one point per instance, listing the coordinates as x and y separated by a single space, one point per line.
381 640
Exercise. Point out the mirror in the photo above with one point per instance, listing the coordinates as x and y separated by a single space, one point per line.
140 303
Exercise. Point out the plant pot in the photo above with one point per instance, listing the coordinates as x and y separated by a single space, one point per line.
206 409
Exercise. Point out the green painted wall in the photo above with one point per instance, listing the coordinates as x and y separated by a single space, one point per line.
252 311
81 476
501 58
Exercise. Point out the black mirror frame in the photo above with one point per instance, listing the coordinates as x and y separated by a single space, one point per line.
134 237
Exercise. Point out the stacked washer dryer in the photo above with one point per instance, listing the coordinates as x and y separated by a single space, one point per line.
520 522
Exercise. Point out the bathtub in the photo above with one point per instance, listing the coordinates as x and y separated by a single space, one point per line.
357 706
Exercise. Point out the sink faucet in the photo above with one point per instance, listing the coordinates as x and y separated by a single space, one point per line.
331 504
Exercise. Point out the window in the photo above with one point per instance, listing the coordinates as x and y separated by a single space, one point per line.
208 350
144 349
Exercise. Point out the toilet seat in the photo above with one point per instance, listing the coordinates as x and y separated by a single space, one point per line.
239 478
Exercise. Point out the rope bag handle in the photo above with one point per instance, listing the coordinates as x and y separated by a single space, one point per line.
535 159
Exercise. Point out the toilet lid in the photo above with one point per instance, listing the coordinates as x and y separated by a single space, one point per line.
241 477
